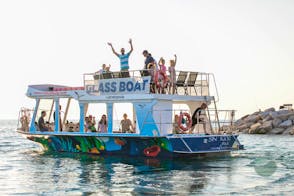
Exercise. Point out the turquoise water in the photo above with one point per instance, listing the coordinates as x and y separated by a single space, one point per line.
265 167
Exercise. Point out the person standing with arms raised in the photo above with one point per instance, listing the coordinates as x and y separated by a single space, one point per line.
123 57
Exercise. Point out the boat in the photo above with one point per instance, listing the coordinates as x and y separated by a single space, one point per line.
154 132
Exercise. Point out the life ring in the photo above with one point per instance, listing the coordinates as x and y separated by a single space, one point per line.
164 76
188 122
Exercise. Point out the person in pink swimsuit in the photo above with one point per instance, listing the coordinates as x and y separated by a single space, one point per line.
162 77
172 73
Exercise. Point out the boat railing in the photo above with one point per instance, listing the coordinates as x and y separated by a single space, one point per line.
225 120
184 82
222 120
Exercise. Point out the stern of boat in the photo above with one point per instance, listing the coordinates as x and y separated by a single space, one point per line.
197 144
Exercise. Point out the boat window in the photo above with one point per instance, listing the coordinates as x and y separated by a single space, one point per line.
45 105
70 114
96 110
70 110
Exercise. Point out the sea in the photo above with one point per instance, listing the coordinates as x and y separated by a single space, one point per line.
265 167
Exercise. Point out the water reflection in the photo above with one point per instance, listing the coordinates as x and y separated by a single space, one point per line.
110 174
26 169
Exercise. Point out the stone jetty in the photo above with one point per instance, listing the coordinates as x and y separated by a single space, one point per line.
268 121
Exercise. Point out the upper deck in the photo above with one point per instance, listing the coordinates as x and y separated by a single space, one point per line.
134 85
186 83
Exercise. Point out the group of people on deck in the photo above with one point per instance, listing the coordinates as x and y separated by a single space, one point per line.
126 125
160 80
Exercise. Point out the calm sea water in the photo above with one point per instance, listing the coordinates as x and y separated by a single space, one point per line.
265 167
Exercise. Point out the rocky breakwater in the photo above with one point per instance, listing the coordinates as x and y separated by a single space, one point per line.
269 121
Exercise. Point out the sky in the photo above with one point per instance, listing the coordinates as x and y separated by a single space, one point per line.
248 45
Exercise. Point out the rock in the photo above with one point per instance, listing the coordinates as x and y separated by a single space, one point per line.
291 117
273 114
245 126
254 128
280 112
276 131
243 118
270 110
261 131
289 130
265 115
267 126
239 122
283 117
245 130
252 118
267 121
266 118
256 113
286 124
276 122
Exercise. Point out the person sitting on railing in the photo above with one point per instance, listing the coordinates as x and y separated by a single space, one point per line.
102 125
198 117
126 124
124 58
172 73
41 123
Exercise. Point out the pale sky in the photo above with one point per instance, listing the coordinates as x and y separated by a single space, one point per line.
248 45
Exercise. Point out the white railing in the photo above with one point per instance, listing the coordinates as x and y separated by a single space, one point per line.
222 120
225 119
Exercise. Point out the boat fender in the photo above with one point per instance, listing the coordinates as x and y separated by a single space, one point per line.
188 122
